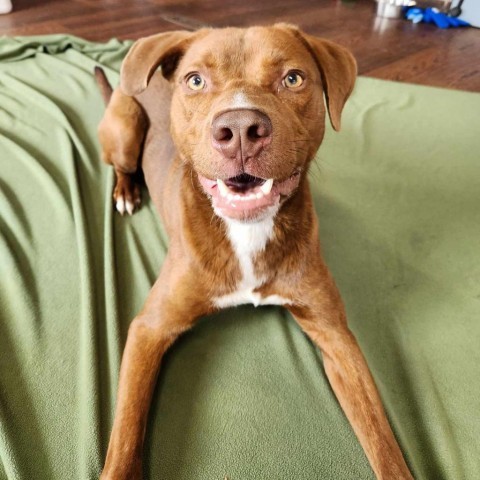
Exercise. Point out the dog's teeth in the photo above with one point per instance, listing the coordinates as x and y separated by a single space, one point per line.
223 189
230 196
120 206
237 197
259 195
267 186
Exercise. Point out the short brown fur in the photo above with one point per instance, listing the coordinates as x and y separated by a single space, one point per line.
168 127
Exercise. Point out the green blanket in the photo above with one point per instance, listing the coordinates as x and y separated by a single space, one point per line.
243 395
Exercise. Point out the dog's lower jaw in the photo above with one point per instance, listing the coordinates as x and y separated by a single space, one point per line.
247 218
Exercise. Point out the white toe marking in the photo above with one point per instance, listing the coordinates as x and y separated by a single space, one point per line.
120 205
130 207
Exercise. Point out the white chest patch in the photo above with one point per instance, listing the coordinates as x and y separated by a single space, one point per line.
248 239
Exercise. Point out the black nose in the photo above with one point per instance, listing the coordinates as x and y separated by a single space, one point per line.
241 134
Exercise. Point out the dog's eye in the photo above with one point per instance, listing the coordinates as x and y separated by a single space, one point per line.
292 80
195 82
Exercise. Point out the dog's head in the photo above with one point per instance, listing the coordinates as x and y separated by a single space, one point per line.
248 108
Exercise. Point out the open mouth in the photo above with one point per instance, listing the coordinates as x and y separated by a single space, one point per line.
243 182
245 196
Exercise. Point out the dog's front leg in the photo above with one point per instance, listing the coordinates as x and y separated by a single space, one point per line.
171 308
321 315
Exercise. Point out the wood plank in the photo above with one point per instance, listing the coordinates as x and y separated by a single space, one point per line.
389 49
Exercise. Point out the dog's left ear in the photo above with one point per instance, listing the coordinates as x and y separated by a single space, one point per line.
147 54
338 69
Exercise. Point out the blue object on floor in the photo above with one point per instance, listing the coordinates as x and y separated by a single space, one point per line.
414 14
433 15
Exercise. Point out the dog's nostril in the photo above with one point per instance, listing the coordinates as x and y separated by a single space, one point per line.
261 130
223 134
253 132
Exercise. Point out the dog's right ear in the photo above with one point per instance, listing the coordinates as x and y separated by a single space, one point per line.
147 54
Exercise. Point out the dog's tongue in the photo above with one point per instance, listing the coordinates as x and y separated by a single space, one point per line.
240 195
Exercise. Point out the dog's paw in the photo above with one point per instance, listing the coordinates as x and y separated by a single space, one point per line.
126 195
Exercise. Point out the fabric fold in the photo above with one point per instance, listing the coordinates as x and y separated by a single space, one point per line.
243 394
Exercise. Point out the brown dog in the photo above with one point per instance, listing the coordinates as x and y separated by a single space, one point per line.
226 132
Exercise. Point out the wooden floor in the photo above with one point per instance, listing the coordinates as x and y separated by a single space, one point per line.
389 49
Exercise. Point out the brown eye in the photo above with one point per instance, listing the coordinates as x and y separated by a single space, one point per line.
195 82
292 80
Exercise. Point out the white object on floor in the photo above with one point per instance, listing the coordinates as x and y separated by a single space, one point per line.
470 12
5 6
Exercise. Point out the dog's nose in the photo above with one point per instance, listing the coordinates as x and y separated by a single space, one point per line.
241 134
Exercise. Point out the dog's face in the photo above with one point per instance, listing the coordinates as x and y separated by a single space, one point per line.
248 110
